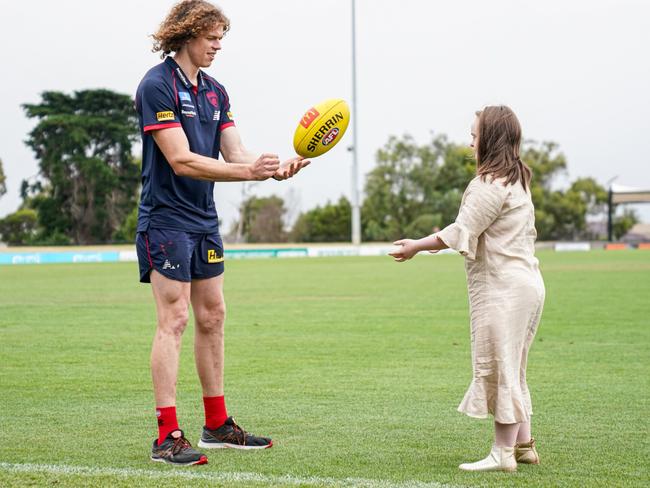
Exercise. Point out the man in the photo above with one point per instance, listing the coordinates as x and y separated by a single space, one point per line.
186 124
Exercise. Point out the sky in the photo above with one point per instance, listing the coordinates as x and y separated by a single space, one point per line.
575 72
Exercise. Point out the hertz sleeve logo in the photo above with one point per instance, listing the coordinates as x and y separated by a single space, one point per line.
213 257
161 116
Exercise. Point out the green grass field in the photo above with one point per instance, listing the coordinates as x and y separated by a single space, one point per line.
355 366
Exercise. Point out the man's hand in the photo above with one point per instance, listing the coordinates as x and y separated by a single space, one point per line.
290 167
408 249
265 167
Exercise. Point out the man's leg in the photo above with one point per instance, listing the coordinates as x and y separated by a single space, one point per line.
210 312
172 305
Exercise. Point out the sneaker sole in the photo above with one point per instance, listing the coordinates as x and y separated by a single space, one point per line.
226 445
493 470
202 460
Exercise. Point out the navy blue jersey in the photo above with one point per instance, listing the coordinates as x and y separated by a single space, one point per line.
165 98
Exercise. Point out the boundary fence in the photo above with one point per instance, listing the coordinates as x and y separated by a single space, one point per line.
105 254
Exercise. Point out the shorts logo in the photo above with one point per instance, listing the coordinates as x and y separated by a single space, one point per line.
217 114
212 98
184 96
213 257
168 265
161 116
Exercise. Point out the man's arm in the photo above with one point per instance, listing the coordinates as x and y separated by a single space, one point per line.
233 151
244 166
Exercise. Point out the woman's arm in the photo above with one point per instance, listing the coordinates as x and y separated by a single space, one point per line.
410 247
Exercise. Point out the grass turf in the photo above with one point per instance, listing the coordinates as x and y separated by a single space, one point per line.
354 366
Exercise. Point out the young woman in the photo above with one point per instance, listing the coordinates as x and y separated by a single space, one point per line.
495 232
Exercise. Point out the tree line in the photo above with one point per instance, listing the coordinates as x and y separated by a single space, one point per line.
86 189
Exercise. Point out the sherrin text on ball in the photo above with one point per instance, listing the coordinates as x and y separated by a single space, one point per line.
321 128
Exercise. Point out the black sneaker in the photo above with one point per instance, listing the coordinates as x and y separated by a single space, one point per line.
232 435
177 450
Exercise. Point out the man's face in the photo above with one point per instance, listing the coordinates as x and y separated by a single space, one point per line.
203 49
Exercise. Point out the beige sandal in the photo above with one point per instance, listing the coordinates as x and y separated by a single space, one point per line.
525 452
499 459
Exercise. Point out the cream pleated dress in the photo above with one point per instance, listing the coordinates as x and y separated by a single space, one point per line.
495 232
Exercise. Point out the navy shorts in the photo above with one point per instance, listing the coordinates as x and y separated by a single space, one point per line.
178 255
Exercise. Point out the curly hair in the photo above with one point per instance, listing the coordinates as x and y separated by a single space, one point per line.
187 19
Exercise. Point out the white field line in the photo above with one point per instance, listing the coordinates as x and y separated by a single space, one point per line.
217 477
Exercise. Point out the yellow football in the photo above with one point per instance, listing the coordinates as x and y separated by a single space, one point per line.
321 128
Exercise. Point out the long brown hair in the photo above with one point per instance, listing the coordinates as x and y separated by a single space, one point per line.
499 140
187 19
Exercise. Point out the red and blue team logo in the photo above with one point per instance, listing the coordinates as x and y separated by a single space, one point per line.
330 136
213 98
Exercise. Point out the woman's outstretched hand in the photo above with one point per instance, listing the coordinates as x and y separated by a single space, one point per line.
407 249
410 247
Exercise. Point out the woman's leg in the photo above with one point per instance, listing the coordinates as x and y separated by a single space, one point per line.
505 435
525 451
502 454
524 434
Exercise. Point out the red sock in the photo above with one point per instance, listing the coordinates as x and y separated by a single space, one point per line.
215 411
166 422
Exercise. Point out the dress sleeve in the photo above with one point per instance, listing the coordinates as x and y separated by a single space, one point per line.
482 204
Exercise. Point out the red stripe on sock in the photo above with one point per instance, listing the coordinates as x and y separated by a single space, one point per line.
215 411
167 422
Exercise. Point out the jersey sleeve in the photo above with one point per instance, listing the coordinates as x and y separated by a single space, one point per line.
227 119
158 108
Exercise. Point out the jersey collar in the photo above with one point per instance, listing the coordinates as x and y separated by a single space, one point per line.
183 77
